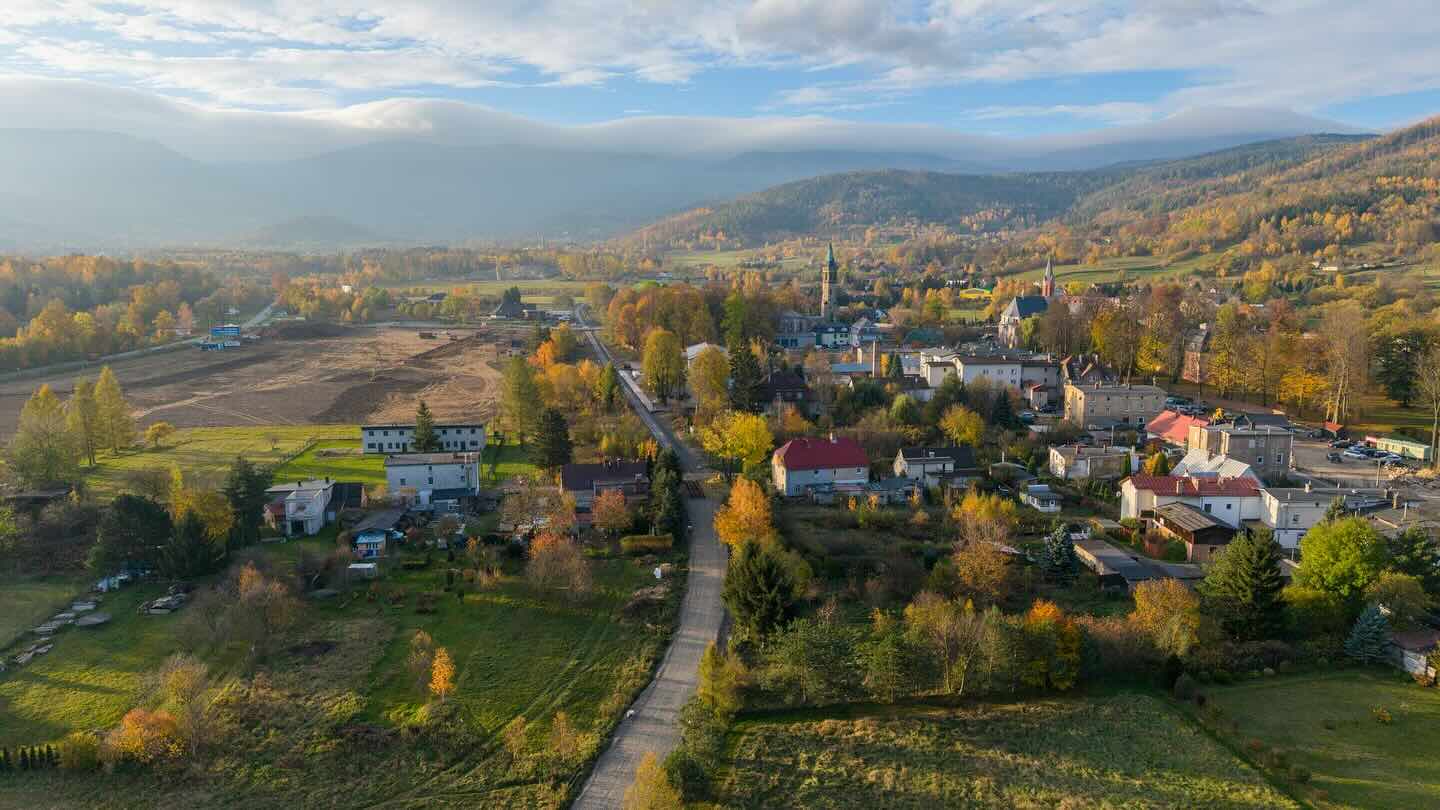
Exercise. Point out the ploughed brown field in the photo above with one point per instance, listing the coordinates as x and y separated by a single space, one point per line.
308 374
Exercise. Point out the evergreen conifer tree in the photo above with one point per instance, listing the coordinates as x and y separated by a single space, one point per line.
1243 586
24 759
1058 562
745 379
553 448
1368 637
1001 413
1336 509
425 440
758 590
1412 552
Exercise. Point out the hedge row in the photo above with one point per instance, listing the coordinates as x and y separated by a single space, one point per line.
646 543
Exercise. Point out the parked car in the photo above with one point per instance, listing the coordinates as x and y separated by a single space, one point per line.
1027 416
1335 457
1341 443
1355 452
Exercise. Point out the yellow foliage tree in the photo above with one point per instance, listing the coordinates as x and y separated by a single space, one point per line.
651 789
962 425
739 439
746 516
442 674
1168 612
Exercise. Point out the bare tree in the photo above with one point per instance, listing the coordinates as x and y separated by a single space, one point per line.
1427 383
1347 353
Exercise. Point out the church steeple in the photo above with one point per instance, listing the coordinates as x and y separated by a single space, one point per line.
1047 284
828 275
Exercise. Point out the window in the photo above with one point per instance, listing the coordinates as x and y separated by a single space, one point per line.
387 433
1227 506
1294 519
402 482
1207 506
430 480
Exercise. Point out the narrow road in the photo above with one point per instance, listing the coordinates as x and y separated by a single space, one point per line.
654 725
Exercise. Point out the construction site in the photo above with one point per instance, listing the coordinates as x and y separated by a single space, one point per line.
300 373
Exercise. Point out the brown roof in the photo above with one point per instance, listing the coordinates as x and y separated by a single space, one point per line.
1177 485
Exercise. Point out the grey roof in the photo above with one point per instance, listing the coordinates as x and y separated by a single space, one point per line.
1187 517
1027 305
579 477
411 425
962 456
417 459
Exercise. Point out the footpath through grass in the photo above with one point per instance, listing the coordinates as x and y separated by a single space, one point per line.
1121 751
1326 724
207 452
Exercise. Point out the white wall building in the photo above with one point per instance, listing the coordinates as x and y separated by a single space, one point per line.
1228 499
804 463
432 477
465 437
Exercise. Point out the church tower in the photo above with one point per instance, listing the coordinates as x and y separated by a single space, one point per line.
829 274
1047 285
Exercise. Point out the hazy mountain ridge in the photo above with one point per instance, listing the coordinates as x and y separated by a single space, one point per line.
93 190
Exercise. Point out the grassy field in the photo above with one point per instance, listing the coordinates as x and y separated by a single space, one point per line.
91 678
542 287
1123 751
207 453
503 462
27 601
1324 723
1128 268
339 459
347 726
732 258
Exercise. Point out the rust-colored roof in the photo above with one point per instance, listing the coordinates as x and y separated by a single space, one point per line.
1174 427
822 454
1176 485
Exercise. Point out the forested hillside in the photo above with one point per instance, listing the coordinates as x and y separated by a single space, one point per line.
1122 201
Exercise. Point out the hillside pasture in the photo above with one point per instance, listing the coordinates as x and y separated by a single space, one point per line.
1326 724
1121 751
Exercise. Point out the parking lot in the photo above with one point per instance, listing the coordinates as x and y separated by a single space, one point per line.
1311 456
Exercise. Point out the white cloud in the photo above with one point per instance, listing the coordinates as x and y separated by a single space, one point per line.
302 54
227 134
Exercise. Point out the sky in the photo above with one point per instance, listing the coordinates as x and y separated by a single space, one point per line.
977 68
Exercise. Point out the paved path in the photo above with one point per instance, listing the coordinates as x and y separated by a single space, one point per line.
655 724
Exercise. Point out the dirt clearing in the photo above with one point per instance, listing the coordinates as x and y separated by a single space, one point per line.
334 375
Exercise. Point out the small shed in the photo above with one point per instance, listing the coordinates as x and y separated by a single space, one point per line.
365 570
1041 497
1410 650
1202 533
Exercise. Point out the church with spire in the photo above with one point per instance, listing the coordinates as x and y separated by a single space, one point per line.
1027 306
829 277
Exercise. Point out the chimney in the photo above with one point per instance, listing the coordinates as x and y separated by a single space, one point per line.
1177 486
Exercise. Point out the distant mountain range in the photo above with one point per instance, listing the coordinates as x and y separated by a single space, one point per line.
66 190
841 204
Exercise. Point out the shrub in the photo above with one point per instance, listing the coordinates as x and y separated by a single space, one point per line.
80 751
646 543
1299 774
1382 715
1254 746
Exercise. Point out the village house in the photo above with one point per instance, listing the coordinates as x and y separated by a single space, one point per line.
782 388
1173 427
396 438
1266 449
934 466
585 482
1200 464
1106 405
434 481
1232 500
1077 462
1290 511
800 464
301 508
1196 365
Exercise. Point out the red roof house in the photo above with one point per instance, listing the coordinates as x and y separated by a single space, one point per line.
1174 427
1230 500
801 464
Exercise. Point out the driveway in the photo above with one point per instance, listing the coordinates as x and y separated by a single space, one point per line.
654 718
